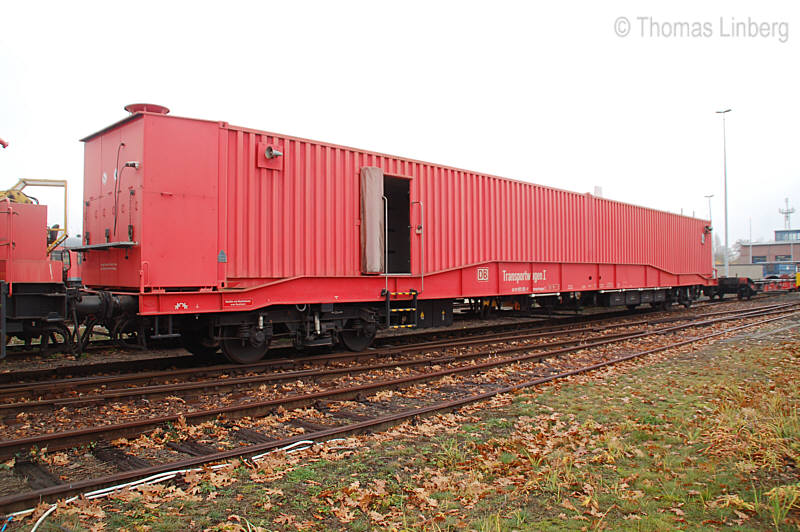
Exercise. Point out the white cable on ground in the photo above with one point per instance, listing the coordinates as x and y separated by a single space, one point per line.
159 477
47 514
307 443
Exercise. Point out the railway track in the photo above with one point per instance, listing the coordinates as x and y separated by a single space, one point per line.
55 395
19 352
421 336
71 391
183 360
363 406
16 351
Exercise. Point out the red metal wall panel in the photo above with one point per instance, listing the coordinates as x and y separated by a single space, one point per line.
104 158
170 202
23 245
297 216
470 218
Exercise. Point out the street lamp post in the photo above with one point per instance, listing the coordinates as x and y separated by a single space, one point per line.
725 173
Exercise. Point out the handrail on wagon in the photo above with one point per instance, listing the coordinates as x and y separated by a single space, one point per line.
6 284
421 231
385 243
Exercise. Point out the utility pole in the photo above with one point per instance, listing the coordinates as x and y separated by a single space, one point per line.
725 174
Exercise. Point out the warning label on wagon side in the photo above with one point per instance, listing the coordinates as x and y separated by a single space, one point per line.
238 302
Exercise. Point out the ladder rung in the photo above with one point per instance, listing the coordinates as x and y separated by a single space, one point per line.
403 309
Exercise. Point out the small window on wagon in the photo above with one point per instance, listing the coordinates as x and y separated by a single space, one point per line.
783 258
759 258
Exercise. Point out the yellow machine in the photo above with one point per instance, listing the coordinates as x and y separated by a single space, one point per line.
15 194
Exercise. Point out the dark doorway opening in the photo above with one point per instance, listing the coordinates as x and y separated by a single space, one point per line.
398 224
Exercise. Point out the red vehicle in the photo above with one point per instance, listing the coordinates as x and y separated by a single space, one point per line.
782 283
230 236
33 293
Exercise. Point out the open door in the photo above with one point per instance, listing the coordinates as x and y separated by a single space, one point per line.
398 224
373 230
385 223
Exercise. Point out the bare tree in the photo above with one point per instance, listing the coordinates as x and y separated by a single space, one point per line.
740 252
719 251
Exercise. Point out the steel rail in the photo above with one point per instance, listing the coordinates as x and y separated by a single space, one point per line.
12 378
18 351
67 439
71 384
224 383
22 500
120 393
83 372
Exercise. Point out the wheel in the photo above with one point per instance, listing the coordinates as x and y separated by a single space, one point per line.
127 333
26 337
56 339
85 338
201 347
632 307
359 337
244 348
489 309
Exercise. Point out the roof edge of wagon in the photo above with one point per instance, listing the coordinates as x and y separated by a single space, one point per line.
139 114
448 167
224 124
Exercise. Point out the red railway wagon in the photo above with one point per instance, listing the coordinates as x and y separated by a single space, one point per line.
24 258
232 235
33 298
785 283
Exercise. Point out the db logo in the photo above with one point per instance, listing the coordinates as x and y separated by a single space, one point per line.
483 274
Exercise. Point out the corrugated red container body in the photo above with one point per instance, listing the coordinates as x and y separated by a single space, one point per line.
207 222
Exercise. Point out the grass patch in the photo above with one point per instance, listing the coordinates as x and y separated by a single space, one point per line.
706 440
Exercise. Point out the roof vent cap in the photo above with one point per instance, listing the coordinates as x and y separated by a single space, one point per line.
146 108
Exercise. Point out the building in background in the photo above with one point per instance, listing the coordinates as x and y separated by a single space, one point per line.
753 271
778 257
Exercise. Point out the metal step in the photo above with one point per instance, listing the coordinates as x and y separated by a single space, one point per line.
409 307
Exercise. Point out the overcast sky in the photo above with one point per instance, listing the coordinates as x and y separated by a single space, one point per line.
543 92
